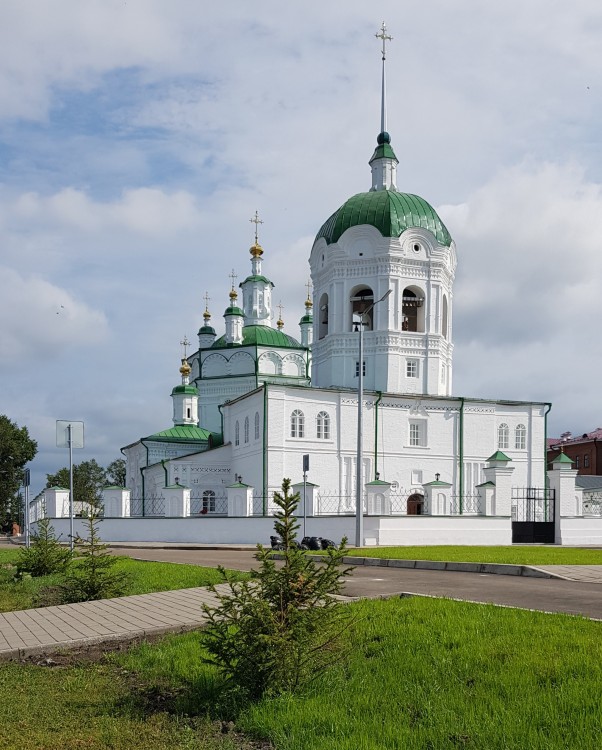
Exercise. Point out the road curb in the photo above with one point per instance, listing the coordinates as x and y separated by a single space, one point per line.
499 569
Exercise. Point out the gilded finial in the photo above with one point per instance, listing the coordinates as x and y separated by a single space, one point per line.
308 303
233 293
185 371
207 314
280 322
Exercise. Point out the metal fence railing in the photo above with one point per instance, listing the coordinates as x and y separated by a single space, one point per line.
592 504
334 504
468 504
533 504
209 504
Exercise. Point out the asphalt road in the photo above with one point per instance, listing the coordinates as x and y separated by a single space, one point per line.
547 595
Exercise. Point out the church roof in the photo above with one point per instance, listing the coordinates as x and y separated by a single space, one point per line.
181 433
262 336
388 211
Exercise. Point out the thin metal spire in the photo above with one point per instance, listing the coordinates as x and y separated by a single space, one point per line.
185 344
383 101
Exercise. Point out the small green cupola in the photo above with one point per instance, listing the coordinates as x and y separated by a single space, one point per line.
206 331
234 318
185 399
384 164
306 324
256 288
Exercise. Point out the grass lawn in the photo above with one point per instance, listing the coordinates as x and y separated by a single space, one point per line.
545 555
146 577
422 674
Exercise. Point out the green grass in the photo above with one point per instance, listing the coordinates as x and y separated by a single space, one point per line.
510 555
440 674
423 674
145 578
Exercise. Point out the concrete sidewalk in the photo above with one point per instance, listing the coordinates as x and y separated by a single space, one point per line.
48 629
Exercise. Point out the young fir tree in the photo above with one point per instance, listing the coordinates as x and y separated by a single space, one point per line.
280 629
93 575
45 554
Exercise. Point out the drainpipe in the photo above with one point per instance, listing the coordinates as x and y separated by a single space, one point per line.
256 368
165 470
142 475
265 450
545 444
221 414
461 457
378 400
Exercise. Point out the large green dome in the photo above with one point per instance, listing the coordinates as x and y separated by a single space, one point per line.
262 336
387 210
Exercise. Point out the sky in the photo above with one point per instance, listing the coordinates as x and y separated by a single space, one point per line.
138 138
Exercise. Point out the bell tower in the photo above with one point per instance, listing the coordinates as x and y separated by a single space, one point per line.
384 241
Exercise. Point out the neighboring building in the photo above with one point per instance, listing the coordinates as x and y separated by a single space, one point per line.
585 451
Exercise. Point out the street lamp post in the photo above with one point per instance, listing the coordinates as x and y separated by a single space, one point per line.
359 494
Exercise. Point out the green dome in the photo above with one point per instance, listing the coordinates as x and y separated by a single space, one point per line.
387 210
208 330
187 389
262 336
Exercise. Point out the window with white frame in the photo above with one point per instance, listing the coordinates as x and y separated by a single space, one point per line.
417 433
503 437
411 368
323 426
246 429
256 425
297 424
208 501
237 433
520 437
357 369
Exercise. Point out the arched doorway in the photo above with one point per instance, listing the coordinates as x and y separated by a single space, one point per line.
415 504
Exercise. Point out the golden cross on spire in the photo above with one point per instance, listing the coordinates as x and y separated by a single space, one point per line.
233 276
280 309
308 287
207 299
257 221
385 38
185 343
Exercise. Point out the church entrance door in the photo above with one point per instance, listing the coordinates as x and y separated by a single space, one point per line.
415 504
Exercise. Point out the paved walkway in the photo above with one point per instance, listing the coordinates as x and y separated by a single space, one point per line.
67 626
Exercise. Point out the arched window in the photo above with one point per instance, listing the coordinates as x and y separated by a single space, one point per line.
297 424
361 300
208 501
323 426
256 425
503 437
412 310
323 317
237 433
520 437
444 332
246 429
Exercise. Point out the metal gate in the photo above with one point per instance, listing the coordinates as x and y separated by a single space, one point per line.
533 511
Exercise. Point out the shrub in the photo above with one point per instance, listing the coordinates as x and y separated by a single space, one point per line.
280 629
92 576
45 555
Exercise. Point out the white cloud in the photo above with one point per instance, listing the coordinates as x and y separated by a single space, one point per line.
41 320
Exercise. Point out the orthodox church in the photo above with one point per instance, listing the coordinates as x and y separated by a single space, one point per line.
377 330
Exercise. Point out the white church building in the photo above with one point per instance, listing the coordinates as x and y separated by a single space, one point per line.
433 467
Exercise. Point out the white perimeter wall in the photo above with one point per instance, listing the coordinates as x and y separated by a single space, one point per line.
407 530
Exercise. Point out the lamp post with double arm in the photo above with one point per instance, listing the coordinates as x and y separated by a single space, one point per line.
359 494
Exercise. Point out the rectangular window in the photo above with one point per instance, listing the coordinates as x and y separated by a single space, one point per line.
417 433
357 369
577 462
411 368
586 461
